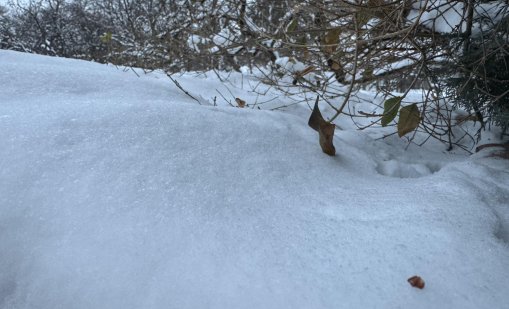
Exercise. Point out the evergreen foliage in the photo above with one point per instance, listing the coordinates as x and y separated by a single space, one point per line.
482 86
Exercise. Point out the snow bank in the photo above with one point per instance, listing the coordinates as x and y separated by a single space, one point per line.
121 192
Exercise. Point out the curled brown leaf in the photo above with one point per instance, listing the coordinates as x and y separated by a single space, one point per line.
325 130
240 103
416 282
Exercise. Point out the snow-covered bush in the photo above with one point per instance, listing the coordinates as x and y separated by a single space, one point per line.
333 49
56 28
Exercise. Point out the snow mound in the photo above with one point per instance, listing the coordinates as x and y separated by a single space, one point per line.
395 168
118 191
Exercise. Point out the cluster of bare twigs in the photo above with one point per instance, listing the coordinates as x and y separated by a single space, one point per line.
330 48
396 47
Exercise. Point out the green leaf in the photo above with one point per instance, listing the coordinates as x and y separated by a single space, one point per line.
409 119
106 37
391 107
368 72
292 26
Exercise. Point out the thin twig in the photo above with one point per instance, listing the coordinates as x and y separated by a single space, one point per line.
181 88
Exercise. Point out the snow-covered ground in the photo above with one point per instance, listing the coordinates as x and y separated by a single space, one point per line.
119 191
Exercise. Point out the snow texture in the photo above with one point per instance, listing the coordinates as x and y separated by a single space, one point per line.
118 191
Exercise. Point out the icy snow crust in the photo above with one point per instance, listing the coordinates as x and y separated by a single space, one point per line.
118 191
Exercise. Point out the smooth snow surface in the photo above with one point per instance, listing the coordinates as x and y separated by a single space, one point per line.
118 191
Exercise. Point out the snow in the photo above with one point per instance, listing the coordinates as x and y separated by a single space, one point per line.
290 64
194 40
225 37
394 66
448 16
118 191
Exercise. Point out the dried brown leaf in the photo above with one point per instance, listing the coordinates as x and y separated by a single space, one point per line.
316 118
240 103
306 71
325 130
416 282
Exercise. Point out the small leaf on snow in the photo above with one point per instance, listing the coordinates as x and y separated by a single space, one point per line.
409 119
240 103
416 282
325 130
391 107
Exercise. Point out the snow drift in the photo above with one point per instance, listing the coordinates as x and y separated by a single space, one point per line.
118 191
